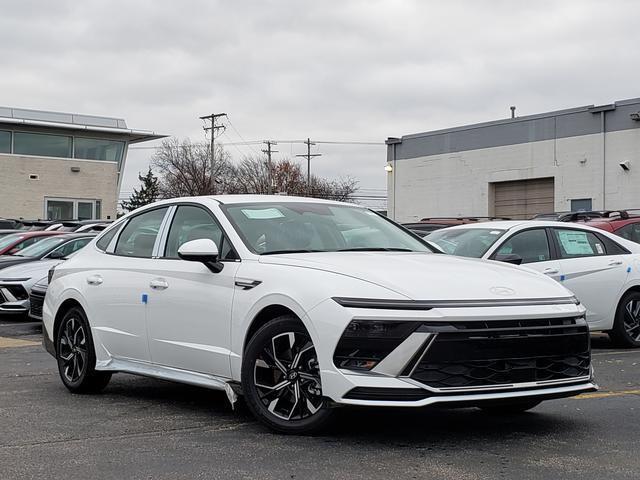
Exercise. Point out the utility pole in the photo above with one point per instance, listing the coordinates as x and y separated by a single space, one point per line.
308 156
213 128
268 151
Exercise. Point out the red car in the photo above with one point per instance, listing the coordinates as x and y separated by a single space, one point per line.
12 244
621 223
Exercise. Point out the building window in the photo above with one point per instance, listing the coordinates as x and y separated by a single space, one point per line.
41 145
581 205
5 142
95 149
72 209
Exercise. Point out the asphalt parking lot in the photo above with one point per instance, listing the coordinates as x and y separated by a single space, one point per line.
144 428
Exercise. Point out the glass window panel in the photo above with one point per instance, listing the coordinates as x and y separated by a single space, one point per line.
5 142
98 209
191 223
59 210
139 235
578 243
95 149
41 144
531 245
85 210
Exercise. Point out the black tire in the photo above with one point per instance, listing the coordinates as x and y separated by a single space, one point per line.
510 407
76 355
626 326
278 371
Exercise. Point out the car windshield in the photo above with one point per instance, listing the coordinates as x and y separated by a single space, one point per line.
9 240
42 247
294 227
465 242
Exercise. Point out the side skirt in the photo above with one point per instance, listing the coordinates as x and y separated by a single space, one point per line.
164 373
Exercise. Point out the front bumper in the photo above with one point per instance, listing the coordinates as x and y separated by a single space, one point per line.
14 299
484 354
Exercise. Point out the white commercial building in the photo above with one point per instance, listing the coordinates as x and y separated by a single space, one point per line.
577 159
58 166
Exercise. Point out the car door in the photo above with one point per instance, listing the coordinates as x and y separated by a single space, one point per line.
189 310
535 248
117 286
594 268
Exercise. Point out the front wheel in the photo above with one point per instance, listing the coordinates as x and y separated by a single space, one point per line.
76 355
281 378
626 327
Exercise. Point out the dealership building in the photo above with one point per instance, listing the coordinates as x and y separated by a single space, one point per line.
62 165
584 158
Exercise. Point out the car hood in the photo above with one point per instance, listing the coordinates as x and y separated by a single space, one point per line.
424 276
35 270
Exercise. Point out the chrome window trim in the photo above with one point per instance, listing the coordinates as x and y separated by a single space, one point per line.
161 239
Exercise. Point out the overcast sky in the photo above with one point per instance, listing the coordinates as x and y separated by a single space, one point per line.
329 70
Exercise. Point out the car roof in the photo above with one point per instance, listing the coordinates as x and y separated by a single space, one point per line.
242 198
511 224
37 233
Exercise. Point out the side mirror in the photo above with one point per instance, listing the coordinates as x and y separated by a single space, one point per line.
513 258
202 250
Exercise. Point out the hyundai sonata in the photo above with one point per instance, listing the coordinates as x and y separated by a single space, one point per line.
303 305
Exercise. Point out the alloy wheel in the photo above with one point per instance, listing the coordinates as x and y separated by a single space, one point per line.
287 377
73 349
632 319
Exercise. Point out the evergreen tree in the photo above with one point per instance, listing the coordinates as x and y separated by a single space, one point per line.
148 193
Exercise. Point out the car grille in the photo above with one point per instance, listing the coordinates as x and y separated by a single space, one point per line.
36 300
10 292
478 354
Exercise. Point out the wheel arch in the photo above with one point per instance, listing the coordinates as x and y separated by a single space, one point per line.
264 316
64 307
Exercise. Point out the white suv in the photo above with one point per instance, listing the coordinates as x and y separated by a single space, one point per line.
301 304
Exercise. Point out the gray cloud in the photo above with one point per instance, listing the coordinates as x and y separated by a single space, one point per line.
332 70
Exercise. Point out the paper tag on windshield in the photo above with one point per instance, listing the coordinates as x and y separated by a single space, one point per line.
599 248
495 232
262 213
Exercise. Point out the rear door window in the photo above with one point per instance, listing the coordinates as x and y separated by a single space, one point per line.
575 243
138 237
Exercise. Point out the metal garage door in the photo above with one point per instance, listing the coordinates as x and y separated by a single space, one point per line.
523 198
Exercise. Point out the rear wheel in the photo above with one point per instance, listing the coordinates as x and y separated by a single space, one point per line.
281 378
519 406
76 355
626 327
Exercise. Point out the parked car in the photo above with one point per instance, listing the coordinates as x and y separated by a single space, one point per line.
36 298
431 224
622 223
35 225
7 231
602 269
16 283
8 223
56 247
13 243
301 304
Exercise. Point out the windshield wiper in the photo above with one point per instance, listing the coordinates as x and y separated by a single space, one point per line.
375 249
276 252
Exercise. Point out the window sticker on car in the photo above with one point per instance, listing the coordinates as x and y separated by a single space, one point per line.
599 248
262 214
495 232
575 243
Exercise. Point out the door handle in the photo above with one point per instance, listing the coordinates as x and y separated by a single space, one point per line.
94 280
550 271
159 284
614 263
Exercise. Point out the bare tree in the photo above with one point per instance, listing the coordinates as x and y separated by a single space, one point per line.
251 176
185 169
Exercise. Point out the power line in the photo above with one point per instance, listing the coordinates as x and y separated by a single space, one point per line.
258 142
241 137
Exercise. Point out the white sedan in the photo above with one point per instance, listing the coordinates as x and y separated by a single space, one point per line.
301 305
600 268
